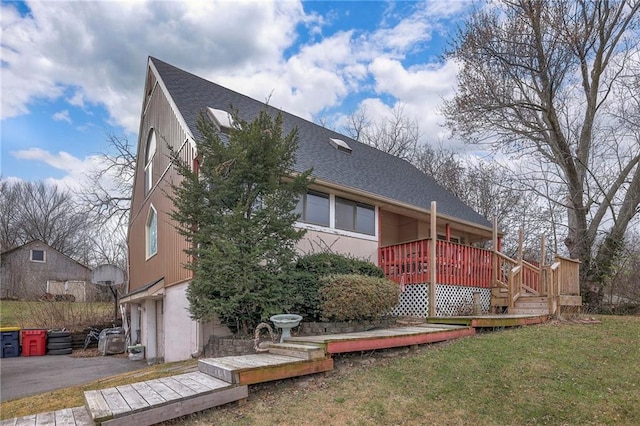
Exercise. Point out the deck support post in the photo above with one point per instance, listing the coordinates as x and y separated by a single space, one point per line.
432 261
496 249
542 277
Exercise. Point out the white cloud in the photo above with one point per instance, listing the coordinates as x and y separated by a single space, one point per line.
76 170
99 49
90 53
62 116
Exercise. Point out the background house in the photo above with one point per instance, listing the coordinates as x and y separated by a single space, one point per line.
34 269
362 201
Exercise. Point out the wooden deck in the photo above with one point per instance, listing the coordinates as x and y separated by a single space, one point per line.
159 400
490 321
260 368
385 338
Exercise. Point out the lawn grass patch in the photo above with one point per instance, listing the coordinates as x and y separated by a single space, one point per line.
50 314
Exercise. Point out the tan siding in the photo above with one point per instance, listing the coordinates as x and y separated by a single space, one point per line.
170 257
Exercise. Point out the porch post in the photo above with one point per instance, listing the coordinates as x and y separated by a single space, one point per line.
543 254
432 262
496 249
520 258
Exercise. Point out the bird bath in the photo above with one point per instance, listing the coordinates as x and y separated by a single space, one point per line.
286 322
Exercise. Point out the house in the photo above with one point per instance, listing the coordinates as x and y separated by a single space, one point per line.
36 269
363 202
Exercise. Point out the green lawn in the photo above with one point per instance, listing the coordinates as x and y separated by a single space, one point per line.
50 314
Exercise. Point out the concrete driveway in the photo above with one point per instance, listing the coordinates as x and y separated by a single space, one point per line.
24 376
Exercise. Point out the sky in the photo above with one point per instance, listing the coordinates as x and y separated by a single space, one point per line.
73 72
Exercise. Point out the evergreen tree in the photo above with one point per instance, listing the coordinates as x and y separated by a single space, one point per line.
237 210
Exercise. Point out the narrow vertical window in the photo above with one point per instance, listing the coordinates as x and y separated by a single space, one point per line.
152 232
148 161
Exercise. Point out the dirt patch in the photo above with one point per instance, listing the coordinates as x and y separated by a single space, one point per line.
90 353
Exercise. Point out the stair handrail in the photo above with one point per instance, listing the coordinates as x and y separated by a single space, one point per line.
515 285
553 286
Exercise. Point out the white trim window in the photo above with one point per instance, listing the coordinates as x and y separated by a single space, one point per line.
330 213
150 151
38 255
313 207
151 229
356 217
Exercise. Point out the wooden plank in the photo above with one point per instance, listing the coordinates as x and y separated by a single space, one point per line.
8 422
297 353
209 367
116 402
192 384
397 341
176 386
181 408
81 416
163 390
211 382
283 371
26 420
48 418
134 399
96 406
64 418
150 396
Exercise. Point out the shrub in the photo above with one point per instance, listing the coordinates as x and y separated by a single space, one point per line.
321 264
356 297
308 271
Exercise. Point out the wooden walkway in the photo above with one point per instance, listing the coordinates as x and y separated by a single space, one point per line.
76 416
385 338
224 380
490 321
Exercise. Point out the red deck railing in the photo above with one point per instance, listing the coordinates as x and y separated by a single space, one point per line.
456 264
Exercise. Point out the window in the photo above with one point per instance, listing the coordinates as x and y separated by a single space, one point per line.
148 161
353 216
38 256
313 208
152 232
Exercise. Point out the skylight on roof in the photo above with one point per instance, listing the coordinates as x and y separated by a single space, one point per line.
340 145
221 118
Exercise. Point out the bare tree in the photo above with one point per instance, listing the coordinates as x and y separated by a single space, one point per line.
11 234
107 195
444 166
536 79
37 211
397 135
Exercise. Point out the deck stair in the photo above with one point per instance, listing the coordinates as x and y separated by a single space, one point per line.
259 368
531 305
307 352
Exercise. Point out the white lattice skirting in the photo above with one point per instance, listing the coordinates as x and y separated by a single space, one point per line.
451 300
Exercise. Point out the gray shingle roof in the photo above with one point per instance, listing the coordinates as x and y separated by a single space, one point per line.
365 169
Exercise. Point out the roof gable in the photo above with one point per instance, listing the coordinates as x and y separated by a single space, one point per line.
39 243
364 169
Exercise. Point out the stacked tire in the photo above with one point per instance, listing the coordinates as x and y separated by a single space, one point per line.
59 343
